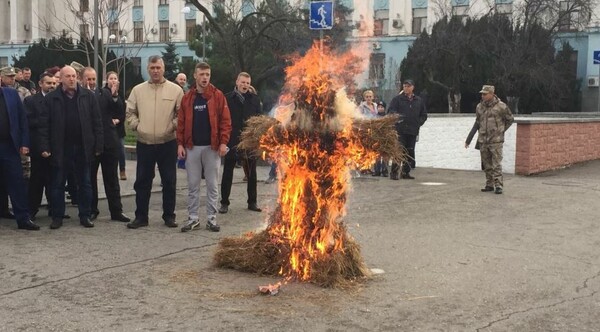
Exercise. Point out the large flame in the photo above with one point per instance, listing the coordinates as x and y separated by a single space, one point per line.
314 149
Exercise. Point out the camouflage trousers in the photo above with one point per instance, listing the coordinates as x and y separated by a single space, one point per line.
491 160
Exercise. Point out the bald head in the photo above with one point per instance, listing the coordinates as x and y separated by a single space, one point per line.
68 78
181 79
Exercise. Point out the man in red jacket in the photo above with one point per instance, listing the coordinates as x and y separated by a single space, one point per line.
203 130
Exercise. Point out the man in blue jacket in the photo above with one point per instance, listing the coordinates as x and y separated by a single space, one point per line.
14 141
413 115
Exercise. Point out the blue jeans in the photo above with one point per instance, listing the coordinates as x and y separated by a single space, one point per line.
81 172
148 156
273 171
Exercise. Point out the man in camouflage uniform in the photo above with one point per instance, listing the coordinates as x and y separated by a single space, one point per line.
7 75
493 118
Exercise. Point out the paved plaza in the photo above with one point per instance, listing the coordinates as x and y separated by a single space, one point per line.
455 259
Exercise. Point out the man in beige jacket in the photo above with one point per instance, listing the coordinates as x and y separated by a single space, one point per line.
152 113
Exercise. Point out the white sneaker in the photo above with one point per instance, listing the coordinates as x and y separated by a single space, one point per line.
211 224
190 225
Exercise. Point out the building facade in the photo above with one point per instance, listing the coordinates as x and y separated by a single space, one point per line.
140 28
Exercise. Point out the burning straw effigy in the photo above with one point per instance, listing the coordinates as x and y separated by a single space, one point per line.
315 138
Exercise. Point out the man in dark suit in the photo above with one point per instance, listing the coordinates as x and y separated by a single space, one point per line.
39 180
243 104
71 130
14 142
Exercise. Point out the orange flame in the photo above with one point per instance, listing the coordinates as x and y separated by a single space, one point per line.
314 148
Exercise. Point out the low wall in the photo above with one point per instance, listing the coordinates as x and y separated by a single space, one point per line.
549 143
442 144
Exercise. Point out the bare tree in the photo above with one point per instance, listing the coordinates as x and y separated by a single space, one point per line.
68 18
555 15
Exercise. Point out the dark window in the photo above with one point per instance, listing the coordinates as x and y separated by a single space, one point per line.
136 63
190 28
164 31
163 2
84 31
377 66
84 5
138 3
381 22
113 29
138 32
419 21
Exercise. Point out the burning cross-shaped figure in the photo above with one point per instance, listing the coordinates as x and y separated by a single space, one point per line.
316 139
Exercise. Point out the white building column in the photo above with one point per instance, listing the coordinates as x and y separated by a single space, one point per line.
14 20
35 20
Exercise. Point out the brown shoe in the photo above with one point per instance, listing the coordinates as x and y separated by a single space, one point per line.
123 175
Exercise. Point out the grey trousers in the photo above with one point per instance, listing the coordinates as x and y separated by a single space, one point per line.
202 158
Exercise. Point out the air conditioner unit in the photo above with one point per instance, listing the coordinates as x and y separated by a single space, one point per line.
173 28
154 31
376 45
26 27
398 24
593 81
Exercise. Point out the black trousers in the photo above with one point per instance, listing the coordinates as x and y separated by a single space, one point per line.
408 142
148 157
228 167
39 183
3 198
109 160
11 172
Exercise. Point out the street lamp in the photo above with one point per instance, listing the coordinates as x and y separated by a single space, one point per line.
123 42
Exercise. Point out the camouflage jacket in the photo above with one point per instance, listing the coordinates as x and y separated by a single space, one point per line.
493 119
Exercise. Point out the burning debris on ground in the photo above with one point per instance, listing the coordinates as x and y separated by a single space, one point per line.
315 138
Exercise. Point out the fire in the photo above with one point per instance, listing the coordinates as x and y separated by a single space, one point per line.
314 148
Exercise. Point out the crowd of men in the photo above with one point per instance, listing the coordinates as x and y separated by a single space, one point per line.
67 127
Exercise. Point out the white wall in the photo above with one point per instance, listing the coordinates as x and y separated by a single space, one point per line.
442 144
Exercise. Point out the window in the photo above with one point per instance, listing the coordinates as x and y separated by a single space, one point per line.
114 3
138 32
164 31
113 29
504 9
377 66
190 29
84 31
381 22
460 12
419 20
163 2
138 3
569 18
84 5
3 61
136 64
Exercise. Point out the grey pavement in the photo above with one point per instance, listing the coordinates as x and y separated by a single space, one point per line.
455 259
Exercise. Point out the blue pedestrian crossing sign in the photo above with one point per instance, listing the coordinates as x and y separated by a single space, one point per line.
596 57
321 15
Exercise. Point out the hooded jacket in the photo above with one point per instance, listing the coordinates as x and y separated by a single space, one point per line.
218 113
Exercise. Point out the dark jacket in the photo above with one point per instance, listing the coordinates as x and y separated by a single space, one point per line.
34 106
111 109
412 113
52 124
240 113
19 129
218 114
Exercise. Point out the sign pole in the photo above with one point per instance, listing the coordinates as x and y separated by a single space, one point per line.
599 88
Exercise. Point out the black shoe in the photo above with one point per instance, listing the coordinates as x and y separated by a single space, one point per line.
394 176
29 225
93 216
170 222
224 208
384 174
406 176
254 207
86 222
120 217
137 223
56 223
376 174
7 215
498 190
487 188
